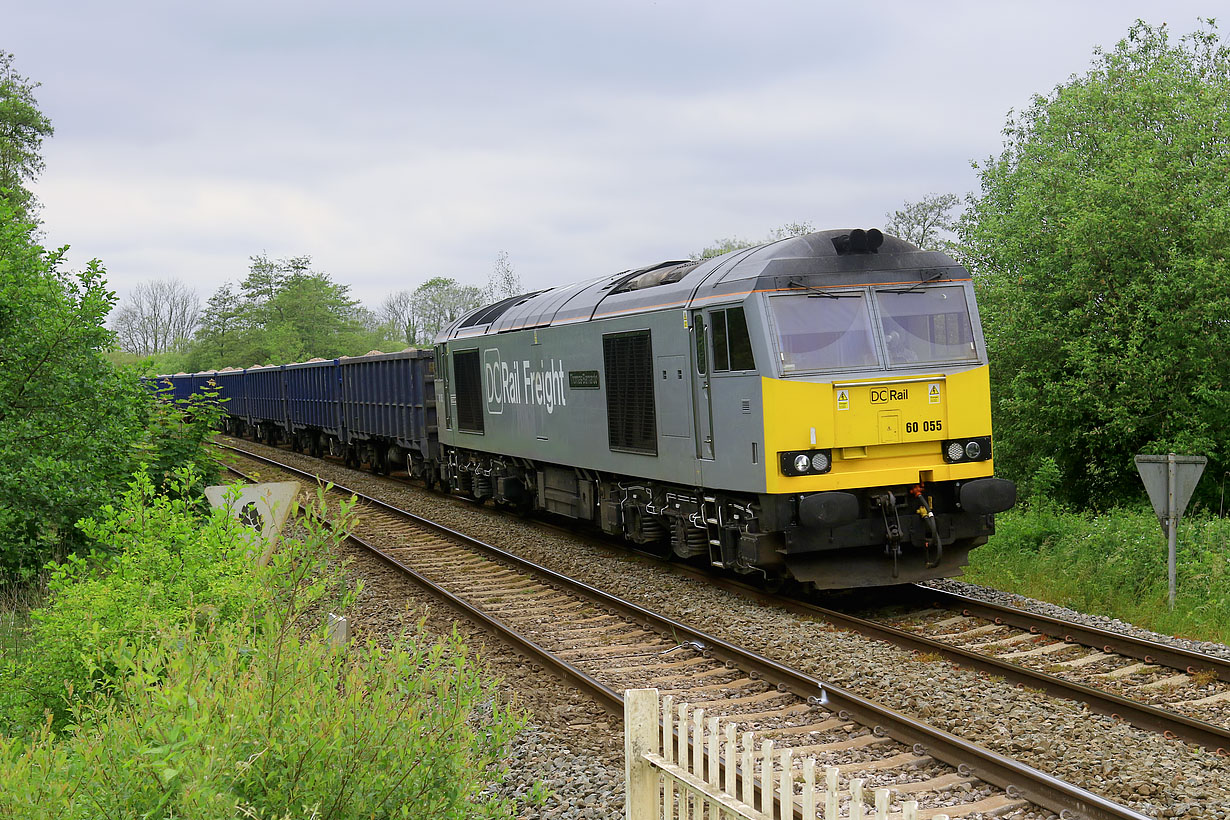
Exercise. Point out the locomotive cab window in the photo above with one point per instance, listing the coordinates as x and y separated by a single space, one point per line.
926 326
732 346
824 333
702 351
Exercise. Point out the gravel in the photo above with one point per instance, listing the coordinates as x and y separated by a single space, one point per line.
1155 776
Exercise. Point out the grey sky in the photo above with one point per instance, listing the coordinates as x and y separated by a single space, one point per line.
396 141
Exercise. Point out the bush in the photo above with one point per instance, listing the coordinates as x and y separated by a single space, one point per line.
210 724
177 437
199 687
75 426
159 565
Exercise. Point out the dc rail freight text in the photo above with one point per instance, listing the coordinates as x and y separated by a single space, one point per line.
814 408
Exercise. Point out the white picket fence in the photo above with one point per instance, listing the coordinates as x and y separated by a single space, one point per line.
679 765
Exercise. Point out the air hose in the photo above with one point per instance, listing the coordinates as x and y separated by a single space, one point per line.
925 513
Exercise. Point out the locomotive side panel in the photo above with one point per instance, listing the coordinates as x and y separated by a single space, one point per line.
609 396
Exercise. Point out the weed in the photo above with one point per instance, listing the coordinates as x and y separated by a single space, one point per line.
539 794
1204 677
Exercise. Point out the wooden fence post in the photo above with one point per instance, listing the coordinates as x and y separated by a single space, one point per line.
640 737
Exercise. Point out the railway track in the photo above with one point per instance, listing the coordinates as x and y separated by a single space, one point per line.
989 638
938 628
604 645
1176 691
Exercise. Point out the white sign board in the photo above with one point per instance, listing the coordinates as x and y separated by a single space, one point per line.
1170 481
263 507
1163 475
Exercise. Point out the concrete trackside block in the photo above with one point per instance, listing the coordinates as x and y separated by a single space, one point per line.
263 507
338 630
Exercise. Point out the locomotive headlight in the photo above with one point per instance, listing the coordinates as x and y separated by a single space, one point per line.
960 450
805 462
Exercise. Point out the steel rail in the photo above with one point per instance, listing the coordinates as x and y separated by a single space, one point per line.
1016 778
1091 636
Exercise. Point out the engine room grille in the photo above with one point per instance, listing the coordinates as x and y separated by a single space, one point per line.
631 418
469 385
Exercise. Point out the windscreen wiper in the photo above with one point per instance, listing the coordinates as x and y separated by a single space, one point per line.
916 285
814 291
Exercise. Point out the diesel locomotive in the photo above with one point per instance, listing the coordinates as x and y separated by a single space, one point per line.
814 408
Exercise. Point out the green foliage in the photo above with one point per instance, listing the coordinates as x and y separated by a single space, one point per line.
1100 246
203 689
284 312
1112 564
22 128
16 602
159 564
927 223
209 724
178 434
69 417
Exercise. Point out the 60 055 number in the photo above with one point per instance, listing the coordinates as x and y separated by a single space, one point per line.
927 426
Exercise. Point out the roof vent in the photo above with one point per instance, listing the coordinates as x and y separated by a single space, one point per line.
858 241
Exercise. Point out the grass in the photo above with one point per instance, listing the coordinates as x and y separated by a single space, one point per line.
1113 564
15 604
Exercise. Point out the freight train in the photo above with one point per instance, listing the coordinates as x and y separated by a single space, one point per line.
815 408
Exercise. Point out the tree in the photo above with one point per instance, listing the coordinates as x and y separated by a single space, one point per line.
926 223
1100 243
721 247
22 129
440 301
217 334
503 283
158 317
283 312
397 313
70 419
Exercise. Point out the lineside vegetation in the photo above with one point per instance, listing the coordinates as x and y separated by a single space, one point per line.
174 678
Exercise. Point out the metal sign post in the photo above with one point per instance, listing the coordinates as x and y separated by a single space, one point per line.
1170 481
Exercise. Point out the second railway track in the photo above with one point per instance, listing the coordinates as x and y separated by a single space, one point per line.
609 644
